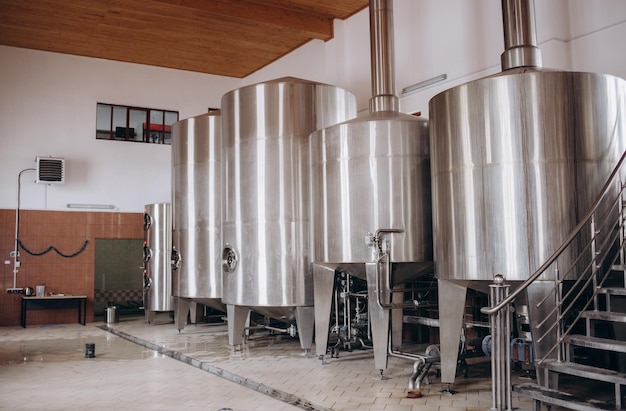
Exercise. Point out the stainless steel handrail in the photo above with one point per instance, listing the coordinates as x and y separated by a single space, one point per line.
583 278
573 234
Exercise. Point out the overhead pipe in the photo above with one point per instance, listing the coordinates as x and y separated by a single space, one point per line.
382 57
520 35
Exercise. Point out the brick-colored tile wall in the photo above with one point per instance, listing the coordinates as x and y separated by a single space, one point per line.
67 231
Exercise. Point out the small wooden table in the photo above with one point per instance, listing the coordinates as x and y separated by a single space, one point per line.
55 302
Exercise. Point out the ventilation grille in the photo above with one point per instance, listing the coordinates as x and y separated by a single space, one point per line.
50 170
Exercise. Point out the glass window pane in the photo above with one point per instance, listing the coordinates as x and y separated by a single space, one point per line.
103 121
156 116
171 117
134 124
156 126
119 122
137 121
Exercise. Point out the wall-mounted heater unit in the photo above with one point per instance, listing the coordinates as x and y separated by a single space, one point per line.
50 170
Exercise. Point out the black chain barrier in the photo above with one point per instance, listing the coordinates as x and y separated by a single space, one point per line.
55 249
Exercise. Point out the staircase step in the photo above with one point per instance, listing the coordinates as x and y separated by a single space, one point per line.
586 371
605 316
596 342
562 399
612 290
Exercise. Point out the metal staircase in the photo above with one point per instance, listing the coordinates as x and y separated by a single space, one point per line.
584 330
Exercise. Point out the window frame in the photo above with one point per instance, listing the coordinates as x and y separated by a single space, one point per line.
143 131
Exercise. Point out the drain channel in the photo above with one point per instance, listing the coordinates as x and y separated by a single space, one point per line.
220 372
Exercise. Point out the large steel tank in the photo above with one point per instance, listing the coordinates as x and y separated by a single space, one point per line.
197 215
517 159
371 197
266 219
157 294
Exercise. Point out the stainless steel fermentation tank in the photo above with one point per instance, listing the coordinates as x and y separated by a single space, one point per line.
197 215
371 203
266 216
157 254
517 159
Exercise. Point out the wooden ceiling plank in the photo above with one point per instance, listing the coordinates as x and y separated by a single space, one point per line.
337 9
223 37
251 12
222 61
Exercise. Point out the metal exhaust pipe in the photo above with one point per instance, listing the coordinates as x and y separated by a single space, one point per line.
382 57
520 37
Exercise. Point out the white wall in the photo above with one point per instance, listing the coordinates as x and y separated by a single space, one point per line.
48 101
48 108
598 35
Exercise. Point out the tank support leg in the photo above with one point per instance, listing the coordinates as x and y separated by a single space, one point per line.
305 318
149 316
379 317
237 318
323 280
451 312
181 309
193 312
537 293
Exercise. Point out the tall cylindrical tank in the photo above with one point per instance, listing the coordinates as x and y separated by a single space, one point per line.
157 259
370 193
370 176
517 160
197 213
266 227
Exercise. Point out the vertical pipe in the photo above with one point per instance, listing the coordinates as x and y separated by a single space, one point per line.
382 57
500 347
520 35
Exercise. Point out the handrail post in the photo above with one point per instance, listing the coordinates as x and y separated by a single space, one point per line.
620 200
594 263
558 297
500 324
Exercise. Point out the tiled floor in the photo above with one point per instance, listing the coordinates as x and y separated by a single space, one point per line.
44 368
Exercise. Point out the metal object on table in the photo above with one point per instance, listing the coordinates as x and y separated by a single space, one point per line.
197 215
517 159
266 227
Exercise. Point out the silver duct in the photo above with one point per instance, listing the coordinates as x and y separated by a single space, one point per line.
382 57
520 37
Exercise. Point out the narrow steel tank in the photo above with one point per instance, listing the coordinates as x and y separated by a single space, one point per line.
371 198
517 159
157 294
197 215
266 216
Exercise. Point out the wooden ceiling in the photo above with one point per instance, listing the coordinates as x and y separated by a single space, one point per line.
225 37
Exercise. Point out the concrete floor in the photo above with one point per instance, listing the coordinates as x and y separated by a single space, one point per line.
154 367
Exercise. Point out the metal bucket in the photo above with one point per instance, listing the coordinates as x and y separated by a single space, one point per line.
111 315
